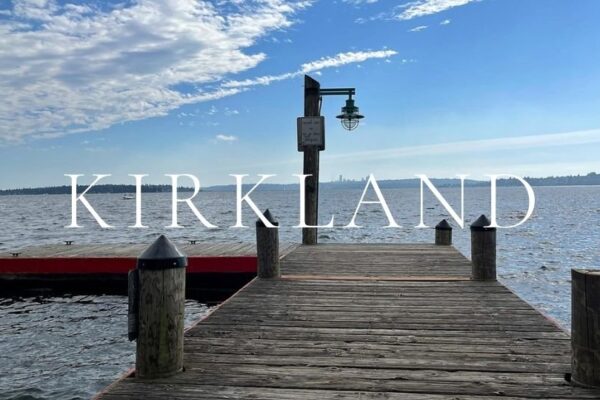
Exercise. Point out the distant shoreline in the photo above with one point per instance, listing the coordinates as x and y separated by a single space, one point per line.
591 179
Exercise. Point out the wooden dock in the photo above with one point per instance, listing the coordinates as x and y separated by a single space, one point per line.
215 270
369 322
103 250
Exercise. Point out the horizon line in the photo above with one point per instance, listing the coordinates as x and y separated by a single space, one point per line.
349 180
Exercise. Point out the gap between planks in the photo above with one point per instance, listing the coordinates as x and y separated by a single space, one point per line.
372 278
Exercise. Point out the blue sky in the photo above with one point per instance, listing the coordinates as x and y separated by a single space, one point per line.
214 88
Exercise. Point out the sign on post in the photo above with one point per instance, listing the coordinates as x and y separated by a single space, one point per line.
311 132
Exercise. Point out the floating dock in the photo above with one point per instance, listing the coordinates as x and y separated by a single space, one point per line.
215 270
369 322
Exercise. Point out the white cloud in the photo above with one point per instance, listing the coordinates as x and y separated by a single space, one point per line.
418 28
445 22
415 9
360 2
226 138
345 58
421 8
261 80
230 111
473 146
314 67
68 68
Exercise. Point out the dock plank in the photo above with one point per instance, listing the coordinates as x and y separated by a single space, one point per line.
364 331
134 250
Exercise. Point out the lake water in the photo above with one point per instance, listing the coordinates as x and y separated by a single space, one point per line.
71 347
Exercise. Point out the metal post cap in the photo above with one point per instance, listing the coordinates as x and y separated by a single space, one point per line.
482 224
267 214
443 226
162 254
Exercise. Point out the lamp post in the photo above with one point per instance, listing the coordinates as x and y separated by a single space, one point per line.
311 140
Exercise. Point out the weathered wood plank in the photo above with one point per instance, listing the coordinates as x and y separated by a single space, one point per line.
506 338
160 391
134 250
370 322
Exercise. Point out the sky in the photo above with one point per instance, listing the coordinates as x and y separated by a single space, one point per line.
213 88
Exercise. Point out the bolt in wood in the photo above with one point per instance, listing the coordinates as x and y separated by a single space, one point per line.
267 248
483 250
585 327
161 270
443 233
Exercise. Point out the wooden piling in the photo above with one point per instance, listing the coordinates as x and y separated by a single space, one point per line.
443 233
267 248
161 306
133 290
483 250
585 327
311 164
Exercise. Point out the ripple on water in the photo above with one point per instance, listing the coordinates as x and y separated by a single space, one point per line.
72 347
66 347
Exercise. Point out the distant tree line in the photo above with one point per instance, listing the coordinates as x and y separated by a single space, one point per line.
571 180
105 188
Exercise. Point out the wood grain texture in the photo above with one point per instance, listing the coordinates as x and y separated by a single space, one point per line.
483 254
310 165
134 250
267 252
359 337
443 237
585 317
159 350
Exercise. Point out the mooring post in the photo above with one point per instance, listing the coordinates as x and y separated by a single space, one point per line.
267 248
311 164
443 233
161 307
483 250
133 291
585 327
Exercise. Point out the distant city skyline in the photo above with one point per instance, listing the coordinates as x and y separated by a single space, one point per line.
213 88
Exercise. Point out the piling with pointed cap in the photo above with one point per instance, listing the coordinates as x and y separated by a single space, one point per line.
483 250
443 233
585 321
161 306
267 248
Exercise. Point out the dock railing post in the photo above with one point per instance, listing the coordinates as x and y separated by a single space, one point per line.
267 248
483 250
443 233
161 308
585 327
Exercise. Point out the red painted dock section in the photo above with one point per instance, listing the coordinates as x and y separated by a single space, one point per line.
214 270
118 265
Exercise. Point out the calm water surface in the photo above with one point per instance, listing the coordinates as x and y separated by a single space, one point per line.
71 347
